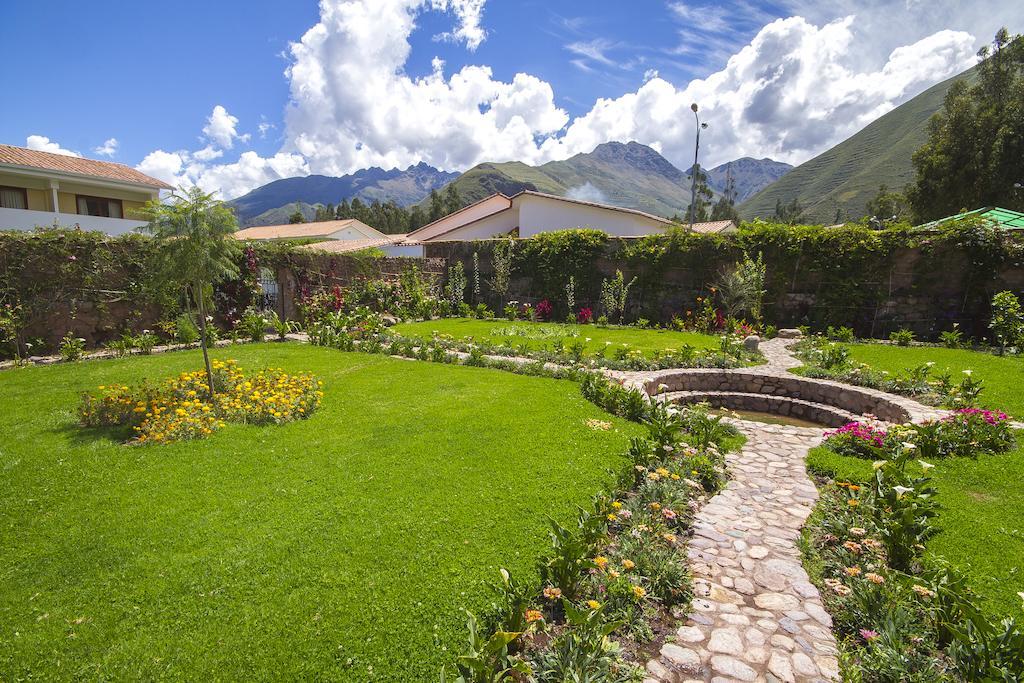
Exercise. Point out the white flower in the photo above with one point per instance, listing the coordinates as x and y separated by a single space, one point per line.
588 338
929 363
901 491
967 372
878 464
909 446
925 465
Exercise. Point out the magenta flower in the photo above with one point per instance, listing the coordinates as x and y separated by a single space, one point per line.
868 635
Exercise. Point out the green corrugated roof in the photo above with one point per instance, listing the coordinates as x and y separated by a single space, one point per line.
1003 218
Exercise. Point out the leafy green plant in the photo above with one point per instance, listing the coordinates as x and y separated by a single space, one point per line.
583 652
122 346
614 295
570 557
952 339
486 660
1007 321
253 324
146 341
71 348
902 337
904 506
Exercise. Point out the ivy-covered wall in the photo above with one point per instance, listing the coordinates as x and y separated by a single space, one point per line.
55 282
875 281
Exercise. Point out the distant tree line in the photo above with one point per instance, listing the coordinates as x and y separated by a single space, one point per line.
389 217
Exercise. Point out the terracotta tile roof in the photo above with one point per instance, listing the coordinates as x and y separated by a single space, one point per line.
346 246
714 227
19 156
303 230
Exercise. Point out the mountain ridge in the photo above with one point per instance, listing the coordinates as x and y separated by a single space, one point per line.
838 183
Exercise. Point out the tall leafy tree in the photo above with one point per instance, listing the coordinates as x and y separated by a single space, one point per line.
701 207
452 199
725 207
436 206
974 156
790 213
196 248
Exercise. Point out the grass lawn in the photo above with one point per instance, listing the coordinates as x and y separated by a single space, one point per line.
1003 376
541 335
337 548
982 528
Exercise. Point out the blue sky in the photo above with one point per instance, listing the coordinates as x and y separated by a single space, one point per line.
519 80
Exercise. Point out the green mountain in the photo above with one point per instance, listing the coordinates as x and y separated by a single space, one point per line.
847 176
630 175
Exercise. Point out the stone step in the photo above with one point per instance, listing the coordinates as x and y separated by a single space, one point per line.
823 414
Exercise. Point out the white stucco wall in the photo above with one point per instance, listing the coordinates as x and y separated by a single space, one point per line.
470 213
543 214
410 250
494 225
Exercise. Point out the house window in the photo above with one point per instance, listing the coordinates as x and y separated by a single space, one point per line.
13 198
269 289
99 206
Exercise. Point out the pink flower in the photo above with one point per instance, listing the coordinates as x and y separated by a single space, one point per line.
868 635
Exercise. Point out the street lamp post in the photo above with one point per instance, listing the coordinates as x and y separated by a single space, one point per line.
696 167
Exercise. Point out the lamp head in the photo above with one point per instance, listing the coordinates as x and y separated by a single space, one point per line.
693 107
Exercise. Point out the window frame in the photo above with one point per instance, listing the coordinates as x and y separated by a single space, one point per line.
120 203
24 195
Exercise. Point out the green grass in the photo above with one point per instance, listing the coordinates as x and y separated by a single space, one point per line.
982 529
541 335
1003 376
337 548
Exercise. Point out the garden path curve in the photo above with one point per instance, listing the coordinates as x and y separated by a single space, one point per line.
755 615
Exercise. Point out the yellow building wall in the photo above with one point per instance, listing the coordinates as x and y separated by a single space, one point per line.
40 195
38 200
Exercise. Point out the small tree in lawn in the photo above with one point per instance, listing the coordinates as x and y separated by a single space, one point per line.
196 248
1007 319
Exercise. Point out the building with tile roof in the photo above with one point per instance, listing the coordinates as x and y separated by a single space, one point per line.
40 189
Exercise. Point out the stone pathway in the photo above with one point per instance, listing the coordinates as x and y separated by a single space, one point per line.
756 616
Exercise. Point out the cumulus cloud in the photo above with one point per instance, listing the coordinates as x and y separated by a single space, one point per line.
45 144
186 169
788 94
221 128
797 87
352 104
587 192
107 149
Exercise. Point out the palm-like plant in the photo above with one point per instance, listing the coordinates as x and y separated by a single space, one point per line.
196 248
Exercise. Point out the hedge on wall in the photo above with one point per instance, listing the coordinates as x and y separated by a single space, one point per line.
873 280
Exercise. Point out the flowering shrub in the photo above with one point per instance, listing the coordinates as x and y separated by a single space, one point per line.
181 408
543 309
616 571
861 440
584 316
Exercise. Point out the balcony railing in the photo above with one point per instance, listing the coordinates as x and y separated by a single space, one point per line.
26 219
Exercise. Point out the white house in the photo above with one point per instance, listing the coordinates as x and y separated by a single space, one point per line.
338 237
39 189
529 213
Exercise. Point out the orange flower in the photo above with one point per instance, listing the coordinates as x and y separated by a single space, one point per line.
533 615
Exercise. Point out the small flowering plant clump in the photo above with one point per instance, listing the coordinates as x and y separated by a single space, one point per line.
859 439
182 409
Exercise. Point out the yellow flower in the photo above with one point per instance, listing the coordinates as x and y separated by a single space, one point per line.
601 561
639 592
593 604
628 564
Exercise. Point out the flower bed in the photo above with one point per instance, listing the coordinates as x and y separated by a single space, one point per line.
898 617
967 432
181 408
611 581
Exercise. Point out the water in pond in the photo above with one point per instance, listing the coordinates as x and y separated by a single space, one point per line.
769 418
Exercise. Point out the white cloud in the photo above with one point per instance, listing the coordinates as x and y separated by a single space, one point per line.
185 169
788 95
469 29
797 87
352 104
221 128
107 149
44 144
